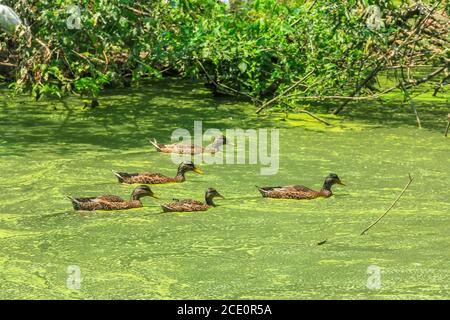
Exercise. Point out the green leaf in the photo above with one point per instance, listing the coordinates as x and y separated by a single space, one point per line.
242 67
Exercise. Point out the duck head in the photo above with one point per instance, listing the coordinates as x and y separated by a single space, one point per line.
210 194
188 166
219 141
142 191
330 180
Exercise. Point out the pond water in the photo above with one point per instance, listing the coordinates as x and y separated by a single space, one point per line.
248 246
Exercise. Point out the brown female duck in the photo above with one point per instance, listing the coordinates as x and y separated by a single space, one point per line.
109 202
157 178
188 148
302 192
188 205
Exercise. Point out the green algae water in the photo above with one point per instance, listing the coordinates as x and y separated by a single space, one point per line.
248 246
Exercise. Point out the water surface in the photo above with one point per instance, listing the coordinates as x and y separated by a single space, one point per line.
247 247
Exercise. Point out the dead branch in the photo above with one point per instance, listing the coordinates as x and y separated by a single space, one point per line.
284 92
312 115
390 207
416 113
392 55
448 126
7 64
309 113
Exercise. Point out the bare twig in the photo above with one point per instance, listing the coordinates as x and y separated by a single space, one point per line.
441 83
284 92
90 59
210 79
431 75
417 115
257 100
380 62
313 116
361 85
296 95
309 113
137 11
448 126
7 64
391 206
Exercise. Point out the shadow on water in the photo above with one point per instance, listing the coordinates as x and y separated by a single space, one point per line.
128 117
247 246
125 118
393 112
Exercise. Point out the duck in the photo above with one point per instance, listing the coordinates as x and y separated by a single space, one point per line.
302 192
157 178
190 148
111 202
188 205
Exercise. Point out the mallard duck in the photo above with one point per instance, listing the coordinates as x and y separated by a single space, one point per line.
193 205
302 192
157 178
109 202
188 148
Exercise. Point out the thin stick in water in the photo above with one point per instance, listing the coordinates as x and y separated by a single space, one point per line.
448 126
417 115
313 116
391 206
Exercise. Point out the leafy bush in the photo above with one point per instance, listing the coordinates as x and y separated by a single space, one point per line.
258 49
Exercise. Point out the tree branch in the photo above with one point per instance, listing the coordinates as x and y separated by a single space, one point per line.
390 207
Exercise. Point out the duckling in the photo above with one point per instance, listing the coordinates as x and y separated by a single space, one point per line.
187 148
157 178
188 205
110 202
302 192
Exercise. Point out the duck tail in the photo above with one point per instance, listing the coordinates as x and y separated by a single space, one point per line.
76 204
262 191
166 208
118 175
155 144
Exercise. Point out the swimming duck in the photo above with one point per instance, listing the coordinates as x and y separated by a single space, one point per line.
302 192
157 178
109 202
193 205
188 148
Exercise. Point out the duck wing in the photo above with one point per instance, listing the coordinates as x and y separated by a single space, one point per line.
124 177
288 192
89 204
185 205
187 148
109 198
143 178
151 178
293 188
301 188
188 202
180 147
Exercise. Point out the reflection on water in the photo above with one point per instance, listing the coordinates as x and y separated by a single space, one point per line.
247 247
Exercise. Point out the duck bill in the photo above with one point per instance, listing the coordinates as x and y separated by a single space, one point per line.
230 143
341 183
197 170
220 196
154 196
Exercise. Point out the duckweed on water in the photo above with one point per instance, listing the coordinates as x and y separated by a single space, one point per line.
246 247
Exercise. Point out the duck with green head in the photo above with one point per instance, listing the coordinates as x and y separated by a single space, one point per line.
157 178
110 202
302 192
188 205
